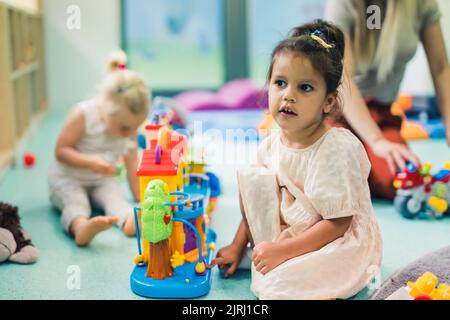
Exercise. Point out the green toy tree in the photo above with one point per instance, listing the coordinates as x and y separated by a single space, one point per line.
157 228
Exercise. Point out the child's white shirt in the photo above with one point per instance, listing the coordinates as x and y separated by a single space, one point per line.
95 141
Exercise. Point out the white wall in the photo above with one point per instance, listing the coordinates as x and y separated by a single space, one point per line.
76 59
418 79
27 5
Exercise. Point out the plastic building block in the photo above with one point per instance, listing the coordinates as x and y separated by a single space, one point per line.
424 285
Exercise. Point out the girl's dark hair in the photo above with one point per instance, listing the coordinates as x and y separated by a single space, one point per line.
326 60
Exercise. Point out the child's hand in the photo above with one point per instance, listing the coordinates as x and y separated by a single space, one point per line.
227 258
103 167
266 256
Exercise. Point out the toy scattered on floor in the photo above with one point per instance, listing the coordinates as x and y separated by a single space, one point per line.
234 95
166 112
419 193
421 118
29 160
426 287
142 143
175 244
15 244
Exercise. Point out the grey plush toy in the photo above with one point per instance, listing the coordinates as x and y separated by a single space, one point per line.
15 244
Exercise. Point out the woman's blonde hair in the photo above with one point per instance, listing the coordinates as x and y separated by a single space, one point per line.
378 46
124 88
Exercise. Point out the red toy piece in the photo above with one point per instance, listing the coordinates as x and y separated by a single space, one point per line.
29 160
423 297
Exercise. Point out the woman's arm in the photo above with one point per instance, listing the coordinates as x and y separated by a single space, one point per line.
355 108
358 116
434 46
268 255
65 150
131 162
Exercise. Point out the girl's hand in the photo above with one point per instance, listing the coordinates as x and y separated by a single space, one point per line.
228 258
395 154
267 255
103 167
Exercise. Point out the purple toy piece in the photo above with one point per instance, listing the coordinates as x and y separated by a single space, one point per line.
190 240
236 94
158 152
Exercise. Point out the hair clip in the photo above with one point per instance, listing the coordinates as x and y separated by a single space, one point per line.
322 42
317 33
318 36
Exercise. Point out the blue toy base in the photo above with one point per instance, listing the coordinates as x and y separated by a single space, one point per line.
175 287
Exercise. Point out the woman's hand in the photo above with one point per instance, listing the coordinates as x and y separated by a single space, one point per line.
97 164
229 258
395 154
267 255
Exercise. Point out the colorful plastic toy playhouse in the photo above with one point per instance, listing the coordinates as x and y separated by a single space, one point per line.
174 242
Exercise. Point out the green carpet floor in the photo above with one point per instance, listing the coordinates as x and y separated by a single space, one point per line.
105 266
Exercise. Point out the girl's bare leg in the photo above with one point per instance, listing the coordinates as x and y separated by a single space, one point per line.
84 229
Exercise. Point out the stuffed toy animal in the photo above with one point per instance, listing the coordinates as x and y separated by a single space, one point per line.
15 244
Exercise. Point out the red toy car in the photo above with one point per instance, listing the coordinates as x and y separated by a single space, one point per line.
418 191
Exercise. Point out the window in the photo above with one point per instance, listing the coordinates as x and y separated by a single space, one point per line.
269 22
175 44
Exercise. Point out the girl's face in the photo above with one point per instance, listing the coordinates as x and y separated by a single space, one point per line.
297 93
122 123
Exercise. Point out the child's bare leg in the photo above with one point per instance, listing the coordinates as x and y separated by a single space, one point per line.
84 229
110 197
129 227
244 218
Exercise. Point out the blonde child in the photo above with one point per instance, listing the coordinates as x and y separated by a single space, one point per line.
96 134
306 207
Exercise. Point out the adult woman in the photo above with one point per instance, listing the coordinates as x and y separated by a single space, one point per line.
375 61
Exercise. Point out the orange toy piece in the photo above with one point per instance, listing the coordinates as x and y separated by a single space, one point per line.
410 130
413 130
424 285
265 125
402 104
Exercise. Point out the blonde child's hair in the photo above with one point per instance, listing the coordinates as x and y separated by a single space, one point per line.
124 88
377 47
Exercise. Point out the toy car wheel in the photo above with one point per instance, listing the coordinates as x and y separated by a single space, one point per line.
407 206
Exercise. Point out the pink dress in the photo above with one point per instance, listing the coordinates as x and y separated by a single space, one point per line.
292 189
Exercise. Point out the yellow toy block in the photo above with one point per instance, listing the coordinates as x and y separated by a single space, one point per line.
439 204
441 293
424 285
